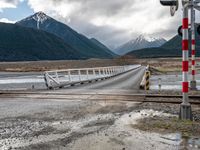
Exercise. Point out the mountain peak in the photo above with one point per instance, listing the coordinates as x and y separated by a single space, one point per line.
148 38
142 41
40 17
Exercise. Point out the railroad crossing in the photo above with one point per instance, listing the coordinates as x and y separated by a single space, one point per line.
185 109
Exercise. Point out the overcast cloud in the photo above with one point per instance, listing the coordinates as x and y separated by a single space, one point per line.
112 21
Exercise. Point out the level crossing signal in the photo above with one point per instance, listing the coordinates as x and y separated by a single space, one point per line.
168 2
173 5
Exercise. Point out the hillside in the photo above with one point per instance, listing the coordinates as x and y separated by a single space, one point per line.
25 44
85 46
105 48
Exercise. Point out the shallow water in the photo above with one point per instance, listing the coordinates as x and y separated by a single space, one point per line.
169 82
24 81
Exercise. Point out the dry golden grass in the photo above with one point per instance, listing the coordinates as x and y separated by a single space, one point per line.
163 65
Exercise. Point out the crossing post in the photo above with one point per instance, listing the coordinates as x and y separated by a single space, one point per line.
185 109
193 81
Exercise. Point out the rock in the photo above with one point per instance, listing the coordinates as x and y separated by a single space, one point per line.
10 148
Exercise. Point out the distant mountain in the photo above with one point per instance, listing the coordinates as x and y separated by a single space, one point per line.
172 48
19 43
85 46
98 43
143 41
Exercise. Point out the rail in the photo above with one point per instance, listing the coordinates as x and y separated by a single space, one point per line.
61 78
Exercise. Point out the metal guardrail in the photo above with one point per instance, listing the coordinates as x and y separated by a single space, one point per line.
61 78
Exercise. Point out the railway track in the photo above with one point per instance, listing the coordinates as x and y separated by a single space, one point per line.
143 98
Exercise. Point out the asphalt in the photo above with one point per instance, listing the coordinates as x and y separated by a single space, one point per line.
127 81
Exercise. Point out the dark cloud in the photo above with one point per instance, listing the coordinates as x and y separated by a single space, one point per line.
11 1
112 21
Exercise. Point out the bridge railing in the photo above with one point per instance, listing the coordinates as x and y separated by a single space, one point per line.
60 78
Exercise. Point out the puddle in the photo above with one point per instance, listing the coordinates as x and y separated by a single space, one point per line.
185 143
169 87
191 143
169 82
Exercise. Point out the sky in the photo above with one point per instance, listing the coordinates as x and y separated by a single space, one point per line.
113 22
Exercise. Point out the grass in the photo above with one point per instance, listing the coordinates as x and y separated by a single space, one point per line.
169 125
169 69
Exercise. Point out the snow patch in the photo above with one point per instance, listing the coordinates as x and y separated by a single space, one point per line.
149 38
40 18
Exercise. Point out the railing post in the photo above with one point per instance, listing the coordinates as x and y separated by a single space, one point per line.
47 80
69 76
87 73
109 71
57 78
79 74
121 69
112 71
104 74
99 72
106 71
94 73
124 68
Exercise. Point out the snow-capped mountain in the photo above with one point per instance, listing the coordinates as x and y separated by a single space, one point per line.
39 18
142 41
79 42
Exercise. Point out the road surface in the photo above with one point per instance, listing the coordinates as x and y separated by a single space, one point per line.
128 81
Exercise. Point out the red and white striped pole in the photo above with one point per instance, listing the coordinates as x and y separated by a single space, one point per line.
185 110
193 81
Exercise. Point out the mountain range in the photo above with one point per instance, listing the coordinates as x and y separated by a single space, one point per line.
142 41
40 37
81 43
172 48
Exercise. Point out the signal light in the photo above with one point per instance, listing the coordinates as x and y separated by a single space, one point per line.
198 29
180 33
169 2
